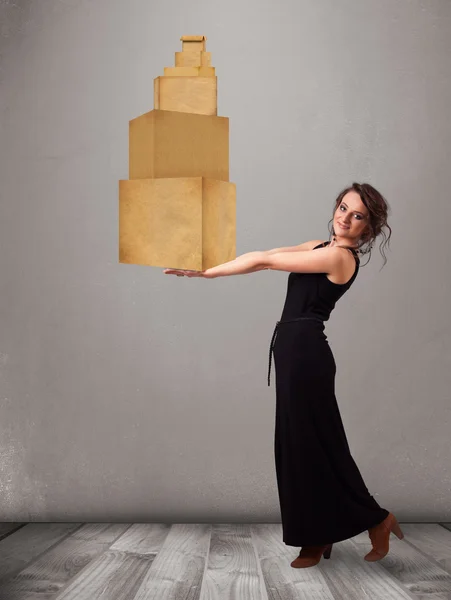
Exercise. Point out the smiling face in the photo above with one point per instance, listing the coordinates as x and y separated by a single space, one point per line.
350 219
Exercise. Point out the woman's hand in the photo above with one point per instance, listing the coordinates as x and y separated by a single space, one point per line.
184 273
246 263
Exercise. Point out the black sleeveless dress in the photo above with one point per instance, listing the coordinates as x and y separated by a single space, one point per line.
323 498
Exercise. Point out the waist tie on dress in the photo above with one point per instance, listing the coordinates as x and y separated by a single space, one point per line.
306 316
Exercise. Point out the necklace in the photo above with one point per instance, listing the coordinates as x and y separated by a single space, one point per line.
348 247
338 246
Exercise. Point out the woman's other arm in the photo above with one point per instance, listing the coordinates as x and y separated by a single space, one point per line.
251 262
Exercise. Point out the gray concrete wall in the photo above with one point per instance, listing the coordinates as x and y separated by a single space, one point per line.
129 395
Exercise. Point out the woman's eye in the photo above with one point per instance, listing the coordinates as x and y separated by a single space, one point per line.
359 217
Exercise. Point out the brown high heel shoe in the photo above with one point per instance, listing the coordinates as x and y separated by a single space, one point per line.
380 536
310 556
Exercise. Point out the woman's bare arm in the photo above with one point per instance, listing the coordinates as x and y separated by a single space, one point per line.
251 262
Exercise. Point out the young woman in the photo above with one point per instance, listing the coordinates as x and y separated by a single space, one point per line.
323 498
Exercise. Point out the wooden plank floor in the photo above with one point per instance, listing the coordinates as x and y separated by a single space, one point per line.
111 561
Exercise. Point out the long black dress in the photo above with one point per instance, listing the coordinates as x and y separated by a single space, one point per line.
323 498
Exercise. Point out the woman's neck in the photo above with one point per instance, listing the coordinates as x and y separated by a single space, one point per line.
343 245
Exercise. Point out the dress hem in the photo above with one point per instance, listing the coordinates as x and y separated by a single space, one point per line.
342 538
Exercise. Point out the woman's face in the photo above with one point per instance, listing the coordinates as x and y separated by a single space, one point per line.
351 217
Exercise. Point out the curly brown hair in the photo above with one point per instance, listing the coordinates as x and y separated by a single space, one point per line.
378 209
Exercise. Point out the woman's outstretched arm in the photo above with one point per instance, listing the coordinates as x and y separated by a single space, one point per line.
323 260
250 262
